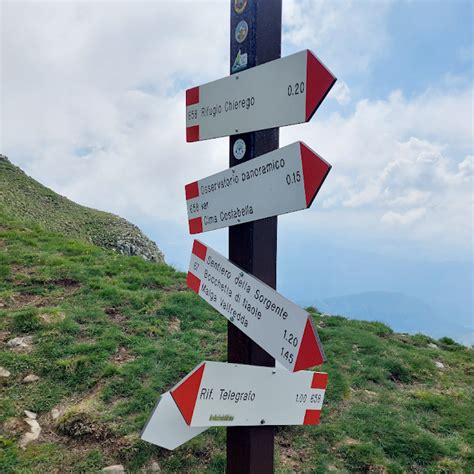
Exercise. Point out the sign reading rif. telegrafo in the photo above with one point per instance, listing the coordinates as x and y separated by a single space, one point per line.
281 92
279 326
223 394
278 182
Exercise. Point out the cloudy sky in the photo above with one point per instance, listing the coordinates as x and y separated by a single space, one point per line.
92 105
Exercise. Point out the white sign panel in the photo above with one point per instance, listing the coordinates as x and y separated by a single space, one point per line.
278 182
166 426
279 326
224 394
281 92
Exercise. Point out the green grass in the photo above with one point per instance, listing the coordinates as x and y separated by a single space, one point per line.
111 333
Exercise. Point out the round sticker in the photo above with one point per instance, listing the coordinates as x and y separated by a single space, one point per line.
241 31
240 5
239 149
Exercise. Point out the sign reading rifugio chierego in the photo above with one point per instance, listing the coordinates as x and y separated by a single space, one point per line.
276 324
278 182
278 93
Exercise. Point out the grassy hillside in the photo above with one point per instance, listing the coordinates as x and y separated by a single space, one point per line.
110 333
25 198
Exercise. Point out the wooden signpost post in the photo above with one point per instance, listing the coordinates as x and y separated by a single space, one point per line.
253 246
248 394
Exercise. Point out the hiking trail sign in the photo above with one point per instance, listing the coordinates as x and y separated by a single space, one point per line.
224 394
282 92
278 182
276 324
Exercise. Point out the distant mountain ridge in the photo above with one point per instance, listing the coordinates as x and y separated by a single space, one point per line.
24 198
402 312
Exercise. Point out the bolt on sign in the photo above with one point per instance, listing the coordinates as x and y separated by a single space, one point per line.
280 327
282 92
278 182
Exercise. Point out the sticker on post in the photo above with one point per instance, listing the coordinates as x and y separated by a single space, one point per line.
241 31
239 6
239 149
240 62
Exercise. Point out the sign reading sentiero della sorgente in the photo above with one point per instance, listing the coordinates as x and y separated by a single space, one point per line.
278 182
224 394
279 326
282 92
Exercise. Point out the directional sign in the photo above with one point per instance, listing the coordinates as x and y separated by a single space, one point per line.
222 394
281 92
278 182
166 426
279 326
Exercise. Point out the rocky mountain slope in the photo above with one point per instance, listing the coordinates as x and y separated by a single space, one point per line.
90 338
25 198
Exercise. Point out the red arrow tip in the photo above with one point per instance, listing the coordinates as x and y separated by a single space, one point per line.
315 170
311 352
185 394
319 81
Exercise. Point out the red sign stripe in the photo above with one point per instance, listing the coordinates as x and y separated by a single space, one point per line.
310 353
192 190
320 380
193 282
318 83
199 250
185 394
192 96
192 133
195 225
312 417
315 171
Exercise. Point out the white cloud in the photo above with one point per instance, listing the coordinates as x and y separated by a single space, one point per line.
93 106
341 93
403 168
93 101
350 34
409 217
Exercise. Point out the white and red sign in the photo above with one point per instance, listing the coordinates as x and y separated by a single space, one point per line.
276 324
278 182
278 93
223 394
166 426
